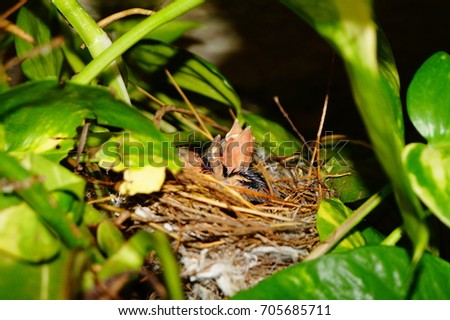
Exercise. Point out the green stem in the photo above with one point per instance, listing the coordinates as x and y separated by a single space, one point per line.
171 272
96 41
168 13
393 237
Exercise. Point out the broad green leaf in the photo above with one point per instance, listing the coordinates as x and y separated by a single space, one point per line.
365 273
109 237
372 236
433 281
349 27
55 279
429 172
24 236
42 117
272 135
331 214
428 99
150 58
346 181
36 20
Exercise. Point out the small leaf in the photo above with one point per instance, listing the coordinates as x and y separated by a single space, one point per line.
428 99
129 257
146 179
191 72
331 214
35 21
365 273
428 170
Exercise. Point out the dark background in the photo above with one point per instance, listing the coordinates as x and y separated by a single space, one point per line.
281 55
265 50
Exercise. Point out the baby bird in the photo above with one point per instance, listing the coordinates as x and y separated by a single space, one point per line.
229 161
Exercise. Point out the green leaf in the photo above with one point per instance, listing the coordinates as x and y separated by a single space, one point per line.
428 99
364 273
352 169
433 281
272 135
331 214
429 173
372 236
24 236
36 20
56 279
129 257
38 198
42 117
109 237
149 59
133 150
54 176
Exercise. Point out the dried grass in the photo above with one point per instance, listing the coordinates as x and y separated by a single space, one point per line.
224 242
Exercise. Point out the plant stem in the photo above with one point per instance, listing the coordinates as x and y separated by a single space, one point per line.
96 41
393 237
168 13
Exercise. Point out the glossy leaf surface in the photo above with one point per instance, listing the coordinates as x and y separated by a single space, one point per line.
191 72
42 117
428 99
429 172
364 273
331 214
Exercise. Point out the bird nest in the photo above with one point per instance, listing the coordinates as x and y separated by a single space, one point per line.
227 237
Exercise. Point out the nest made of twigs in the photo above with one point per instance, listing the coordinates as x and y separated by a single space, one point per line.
224 242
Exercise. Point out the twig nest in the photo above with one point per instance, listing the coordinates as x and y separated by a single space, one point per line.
231 234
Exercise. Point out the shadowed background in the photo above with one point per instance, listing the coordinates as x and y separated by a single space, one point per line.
265 50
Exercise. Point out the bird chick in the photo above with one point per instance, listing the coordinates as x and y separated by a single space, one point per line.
229 161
